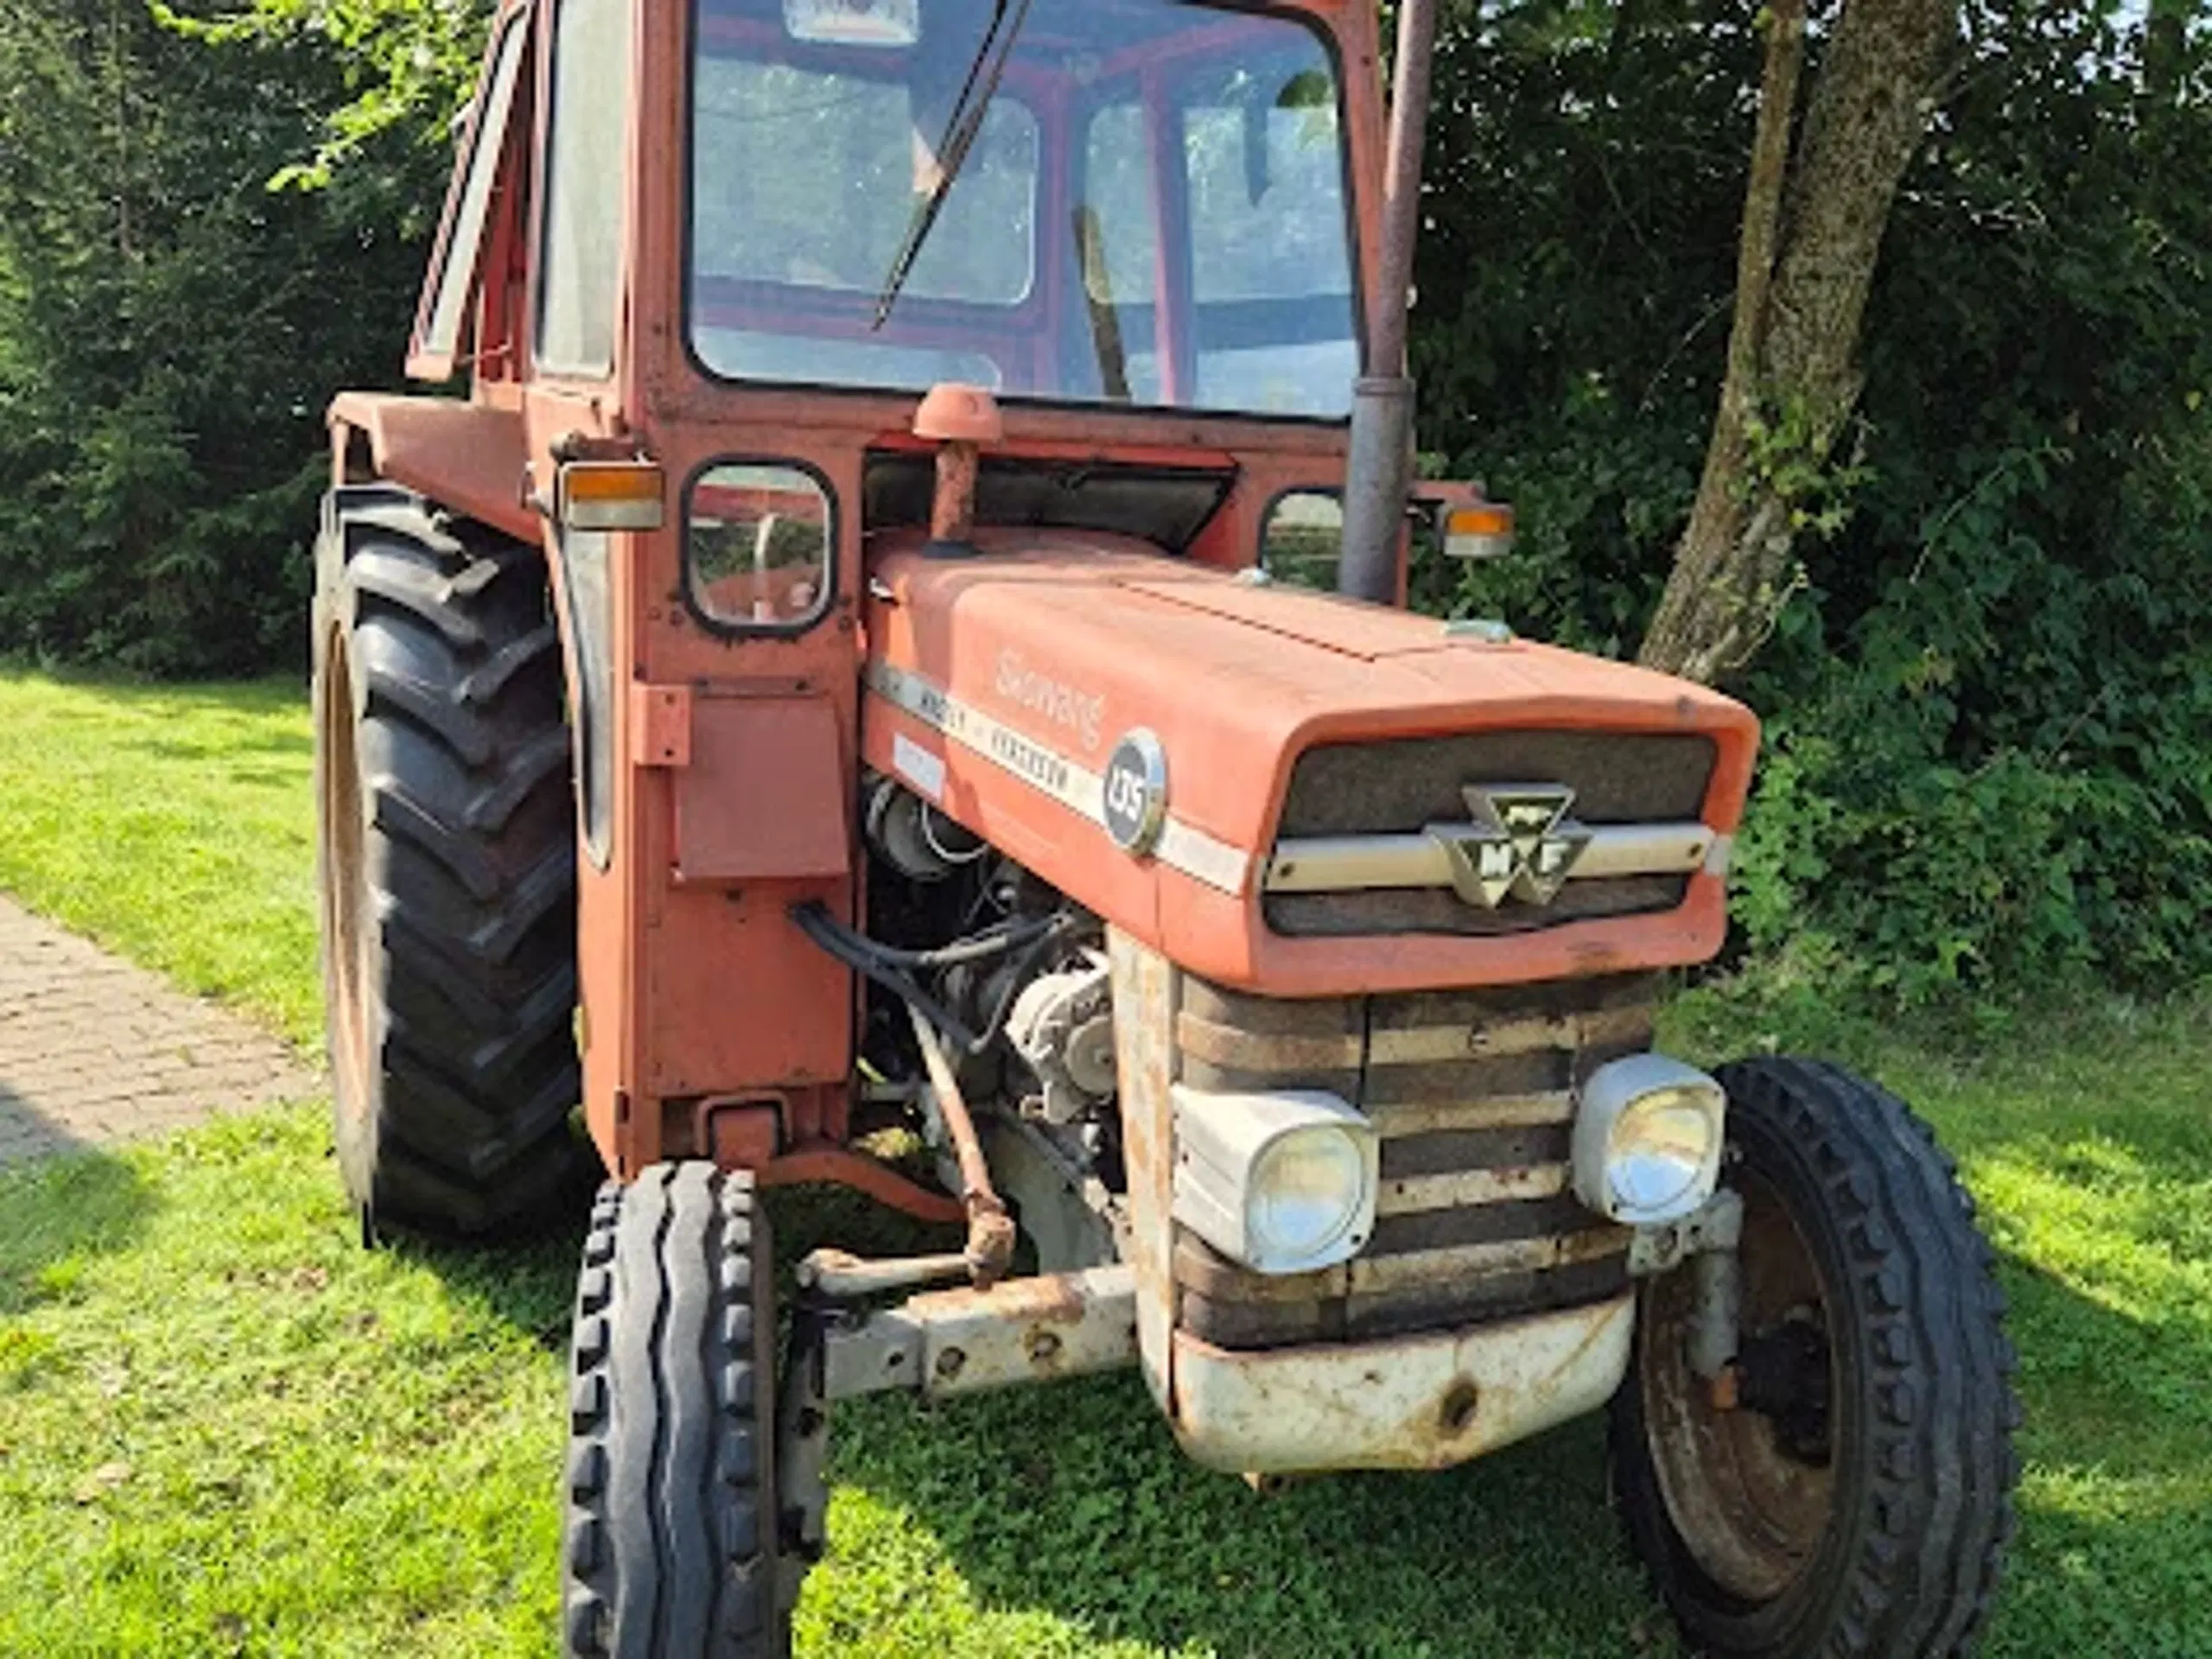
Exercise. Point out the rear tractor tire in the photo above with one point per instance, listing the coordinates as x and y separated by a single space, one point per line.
670 1544
1845 1492
446 840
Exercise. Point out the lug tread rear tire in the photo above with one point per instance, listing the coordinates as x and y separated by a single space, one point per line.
669 1554
1915 1547
434 632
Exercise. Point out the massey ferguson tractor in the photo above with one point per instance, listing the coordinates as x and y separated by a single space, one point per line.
845 697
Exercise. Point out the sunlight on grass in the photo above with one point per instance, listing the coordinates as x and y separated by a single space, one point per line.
172 824
224 1428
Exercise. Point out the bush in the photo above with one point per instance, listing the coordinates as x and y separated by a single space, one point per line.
1989 705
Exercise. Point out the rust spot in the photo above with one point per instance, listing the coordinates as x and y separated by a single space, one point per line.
1726 1390
1457 1411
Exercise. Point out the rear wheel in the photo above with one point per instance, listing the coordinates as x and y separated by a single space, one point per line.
447 865
669 1550
1847 1491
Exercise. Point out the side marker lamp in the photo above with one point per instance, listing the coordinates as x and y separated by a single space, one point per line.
609 495
1484 530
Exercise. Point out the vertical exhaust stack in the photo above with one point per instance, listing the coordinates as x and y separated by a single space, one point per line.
1379 471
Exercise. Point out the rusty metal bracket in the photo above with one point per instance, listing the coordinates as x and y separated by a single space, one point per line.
1718 1224
841 1276
660 725
990 1230
1707 1239
954 1342
841 1166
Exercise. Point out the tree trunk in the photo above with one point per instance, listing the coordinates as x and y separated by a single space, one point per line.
1812 230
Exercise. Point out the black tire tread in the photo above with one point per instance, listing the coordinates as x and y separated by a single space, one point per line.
667 1555
1921 1549
464 750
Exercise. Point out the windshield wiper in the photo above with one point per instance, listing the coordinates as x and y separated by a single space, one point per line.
984 73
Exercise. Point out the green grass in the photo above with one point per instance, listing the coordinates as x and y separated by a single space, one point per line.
223 1429
172 824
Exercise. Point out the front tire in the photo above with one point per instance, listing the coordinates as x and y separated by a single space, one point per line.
1852 1500
446 843
671 1543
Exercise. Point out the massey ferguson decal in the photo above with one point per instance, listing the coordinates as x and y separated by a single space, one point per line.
1521 843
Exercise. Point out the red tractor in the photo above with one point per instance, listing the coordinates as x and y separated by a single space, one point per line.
850 674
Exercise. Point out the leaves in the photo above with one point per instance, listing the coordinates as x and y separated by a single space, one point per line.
170 331
1989 755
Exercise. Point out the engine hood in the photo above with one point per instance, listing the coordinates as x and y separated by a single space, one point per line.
1016 687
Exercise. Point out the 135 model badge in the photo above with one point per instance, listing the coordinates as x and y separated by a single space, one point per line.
1135 805
1521 843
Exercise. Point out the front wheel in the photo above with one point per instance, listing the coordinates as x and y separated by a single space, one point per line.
1845 1490
670 1544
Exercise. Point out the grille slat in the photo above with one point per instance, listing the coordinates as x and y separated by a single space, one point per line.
1446 1150
1459 1189
1472 1092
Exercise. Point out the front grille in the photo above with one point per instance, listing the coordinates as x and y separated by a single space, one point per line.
1472 1092
1400 786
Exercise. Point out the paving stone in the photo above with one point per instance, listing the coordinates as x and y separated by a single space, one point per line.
94 1050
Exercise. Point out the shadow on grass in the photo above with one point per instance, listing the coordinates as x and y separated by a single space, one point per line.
530 1284
1074 1500
56 1210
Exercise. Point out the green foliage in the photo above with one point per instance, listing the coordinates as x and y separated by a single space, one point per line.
1989 702
408 66
170 330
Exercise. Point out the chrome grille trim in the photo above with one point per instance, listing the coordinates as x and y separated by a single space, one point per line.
1365 863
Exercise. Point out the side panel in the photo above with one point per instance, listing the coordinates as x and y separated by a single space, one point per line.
1144 1038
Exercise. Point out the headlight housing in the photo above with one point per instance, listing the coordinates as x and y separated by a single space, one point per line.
1648 1136
1283 1182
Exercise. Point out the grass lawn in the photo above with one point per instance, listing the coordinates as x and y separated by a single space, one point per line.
174 825
223 1429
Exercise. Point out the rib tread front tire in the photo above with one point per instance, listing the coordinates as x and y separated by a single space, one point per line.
669 1553
1908 1562
446 842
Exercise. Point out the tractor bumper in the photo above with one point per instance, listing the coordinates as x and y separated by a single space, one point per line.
1422 1401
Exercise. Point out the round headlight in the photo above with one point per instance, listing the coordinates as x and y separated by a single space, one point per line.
1306 1189
1658 1155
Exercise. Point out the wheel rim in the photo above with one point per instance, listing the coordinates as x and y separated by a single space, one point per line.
1750 1484
345 936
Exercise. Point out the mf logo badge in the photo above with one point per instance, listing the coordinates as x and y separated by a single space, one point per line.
1136 804
1521 843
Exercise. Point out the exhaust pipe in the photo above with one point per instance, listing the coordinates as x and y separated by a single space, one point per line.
1379 471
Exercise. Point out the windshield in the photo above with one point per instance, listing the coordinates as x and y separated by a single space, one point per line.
1075 258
